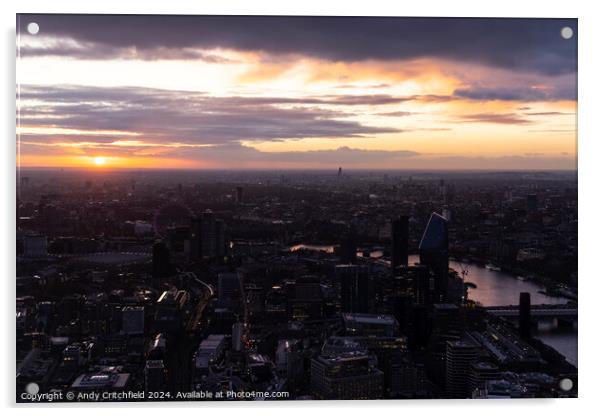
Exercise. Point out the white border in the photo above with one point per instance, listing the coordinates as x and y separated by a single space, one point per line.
590 201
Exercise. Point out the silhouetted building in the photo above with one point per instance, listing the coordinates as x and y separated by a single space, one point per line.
524 323
207 236
346 376
239 194
347 250
307 301
434 254
458 359
228 286
161 261
209 352
363 324
399 241
133 320
154 376
480 373
238 331
356 288
422 283
532 202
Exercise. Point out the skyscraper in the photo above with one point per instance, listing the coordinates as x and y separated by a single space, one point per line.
161 261
356 287
347 250
399 241
434 253
524 323
207 236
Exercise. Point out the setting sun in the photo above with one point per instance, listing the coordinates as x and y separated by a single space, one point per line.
100 161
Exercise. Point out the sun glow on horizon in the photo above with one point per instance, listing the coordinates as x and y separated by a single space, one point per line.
100 160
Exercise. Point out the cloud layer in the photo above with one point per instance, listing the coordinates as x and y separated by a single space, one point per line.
517 44
161 116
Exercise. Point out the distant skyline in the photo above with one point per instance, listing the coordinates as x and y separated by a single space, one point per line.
236 92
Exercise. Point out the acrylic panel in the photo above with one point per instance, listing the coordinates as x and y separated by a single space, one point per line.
217 208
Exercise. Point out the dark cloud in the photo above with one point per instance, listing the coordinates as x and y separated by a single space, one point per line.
395 114
497 118
90 50
72 94
433 98
188 117
517 44
525 93
548 113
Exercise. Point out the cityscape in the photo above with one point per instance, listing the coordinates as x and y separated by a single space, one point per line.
183 282
243 217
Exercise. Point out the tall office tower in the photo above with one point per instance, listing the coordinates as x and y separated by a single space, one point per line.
154 376
207 236
524 323
399 241
239 194
419 280
208 243
434 254
220 238
195 238
346 376
132 320
340 172
161 261
228 286
307 301
347 250
356 287
459 356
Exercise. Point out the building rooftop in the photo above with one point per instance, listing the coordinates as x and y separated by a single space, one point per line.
369 319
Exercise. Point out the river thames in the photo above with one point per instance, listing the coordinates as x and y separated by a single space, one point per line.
498 288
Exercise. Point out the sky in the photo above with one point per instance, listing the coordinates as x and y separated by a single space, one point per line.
259 92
